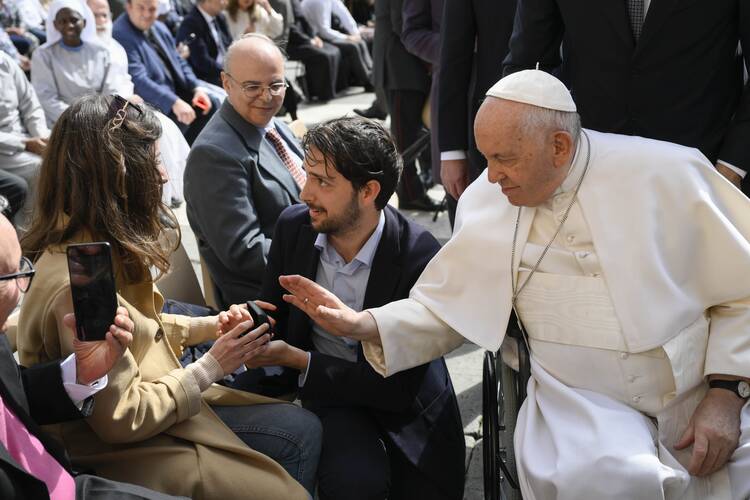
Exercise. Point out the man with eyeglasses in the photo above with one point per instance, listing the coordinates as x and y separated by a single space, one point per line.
32 464
243 170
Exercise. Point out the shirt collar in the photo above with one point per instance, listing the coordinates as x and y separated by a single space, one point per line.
209 18
366 254
576 167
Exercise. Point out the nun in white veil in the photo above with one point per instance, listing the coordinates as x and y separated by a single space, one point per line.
72 63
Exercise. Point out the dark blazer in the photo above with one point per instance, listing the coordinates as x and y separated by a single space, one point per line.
417 408
394 68
150 76
474 43
682 82
203 48
37 397
421 36
235 188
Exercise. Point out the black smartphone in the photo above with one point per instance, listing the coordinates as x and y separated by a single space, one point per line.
259 317
92 284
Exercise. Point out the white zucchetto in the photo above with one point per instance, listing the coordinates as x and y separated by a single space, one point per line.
534 87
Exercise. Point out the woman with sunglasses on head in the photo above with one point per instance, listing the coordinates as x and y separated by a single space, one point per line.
156 424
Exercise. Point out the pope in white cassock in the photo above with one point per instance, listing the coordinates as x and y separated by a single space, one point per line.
627 261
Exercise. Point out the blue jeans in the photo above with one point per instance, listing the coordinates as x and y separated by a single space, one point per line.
284 432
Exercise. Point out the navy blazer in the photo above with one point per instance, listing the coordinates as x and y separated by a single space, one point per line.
203 48
37 397
417 408
235 188
150 76
474 42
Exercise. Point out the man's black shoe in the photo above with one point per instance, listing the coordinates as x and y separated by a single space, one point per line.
371 112
424 203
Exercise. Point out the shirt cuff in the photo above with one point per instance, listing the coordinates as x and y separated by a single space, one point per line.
303 375
78 392
734 169
455 154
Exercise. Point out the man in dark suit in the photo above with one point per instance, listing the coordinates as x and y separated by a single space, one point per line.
398 437
243 170
206 32
324 72
405 83
421 36
670 70
33 464
474 42
161 77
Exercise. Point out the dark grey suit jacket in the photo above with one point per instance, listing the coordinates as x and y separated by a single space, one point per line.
398 69
235 187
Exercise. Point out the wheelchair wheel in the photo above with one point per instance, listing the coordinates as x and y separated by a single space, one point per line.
498 424
508 385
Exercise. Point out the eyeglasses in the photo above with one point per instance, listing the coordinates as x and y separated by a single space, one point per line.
118 109
23 276
254 90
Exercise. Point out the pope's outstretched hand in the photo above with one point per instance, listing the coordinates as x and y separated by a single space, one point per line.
328 311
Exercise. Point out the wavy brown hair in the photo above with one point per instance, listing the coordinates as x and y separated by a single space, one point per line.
103 179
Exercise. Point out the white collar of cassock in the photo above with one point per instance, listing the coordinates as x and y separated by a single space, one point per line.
576 167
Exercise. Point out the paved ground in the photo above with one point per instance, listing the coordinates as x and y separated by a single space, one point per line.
464 364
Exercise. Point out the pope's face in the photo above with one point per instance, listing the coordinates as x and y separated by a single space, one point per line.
522 161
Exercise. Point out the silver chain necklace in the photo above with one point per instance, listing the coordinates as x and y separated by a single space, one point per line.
514 284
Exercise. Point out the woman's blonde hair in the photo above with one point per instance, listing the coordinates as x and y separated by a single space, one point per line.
233 7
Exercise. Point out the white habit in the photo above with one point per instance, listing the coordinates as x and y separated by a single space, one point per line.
644 292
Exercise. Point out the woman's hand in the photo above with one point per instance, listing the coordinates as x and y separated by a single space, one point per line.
237 347
95 358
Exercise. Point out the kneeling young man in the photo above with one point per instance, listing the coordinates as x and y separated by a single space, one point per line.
399 437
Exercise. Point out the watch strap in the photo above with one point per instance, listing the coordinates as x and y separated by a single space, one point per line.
729 385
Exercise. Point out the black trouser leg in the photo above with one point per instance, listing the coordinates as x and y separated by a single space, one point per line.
353 462
406 122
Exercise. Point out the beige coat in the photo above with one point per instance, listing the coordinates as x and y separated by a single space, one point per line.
150 425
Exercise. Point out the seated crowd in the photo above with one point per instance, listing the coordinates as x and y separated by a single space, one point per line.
166 55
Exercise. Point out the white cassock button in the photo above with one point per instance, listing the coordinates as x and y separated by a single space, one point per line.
636 399
623 355
583 255
595 275
571 238
631 378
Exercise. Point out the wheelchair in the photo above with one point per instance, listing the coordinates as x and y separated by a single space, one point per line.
504 378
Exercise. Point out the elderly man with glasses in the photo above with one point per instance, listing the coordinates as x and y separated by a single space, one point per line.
243 170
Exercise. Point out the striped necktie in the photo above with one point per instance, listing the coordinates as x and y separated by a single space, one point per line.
278 143
637 13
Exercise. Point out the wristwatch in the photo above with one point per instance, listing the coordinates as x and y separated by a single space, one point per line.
739 387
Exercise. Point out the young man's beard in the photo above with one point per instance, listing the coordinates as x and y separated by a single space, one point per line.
342 223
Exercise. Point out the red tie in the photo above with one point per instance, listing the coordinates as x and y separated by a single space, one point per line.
278 143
